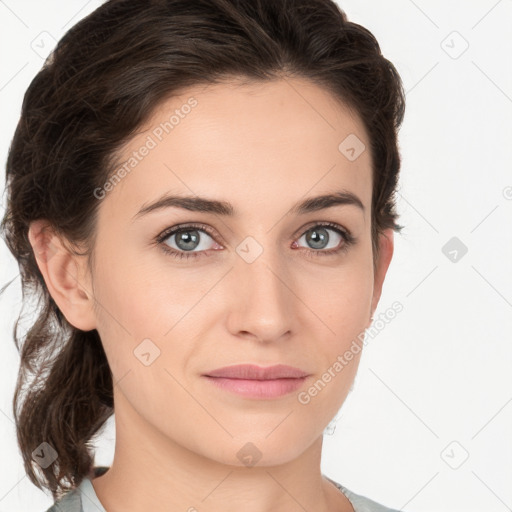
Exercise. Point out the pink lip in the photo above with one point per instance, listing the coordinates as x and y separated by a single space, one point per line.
257 382
254 372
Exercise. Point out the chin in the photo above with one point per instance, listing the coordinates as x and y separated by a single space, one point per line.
261 451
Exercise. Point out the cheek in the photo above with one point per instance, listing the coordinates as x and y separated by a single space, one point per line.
342 299
344 308
141 297
141 323
145 315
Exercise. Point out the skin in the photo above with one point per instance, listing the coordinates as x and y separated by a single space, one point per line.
262 147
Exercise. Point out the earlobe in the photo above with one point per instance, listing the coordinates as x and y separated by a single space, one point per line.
65 275
386 247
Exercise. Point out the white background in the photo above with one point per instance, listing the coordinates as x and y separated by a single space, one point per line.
434 386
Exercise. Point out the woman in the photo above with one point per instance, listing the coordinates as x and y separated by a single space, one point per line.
201 193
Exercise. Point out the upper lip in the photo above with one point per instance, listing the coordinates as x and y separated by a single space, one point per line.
254 372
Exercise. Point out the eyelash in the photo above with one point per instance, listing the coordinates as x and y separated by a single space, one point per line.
348 240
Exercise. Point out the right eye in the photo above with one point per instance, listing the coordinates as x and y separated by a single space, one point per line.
186 240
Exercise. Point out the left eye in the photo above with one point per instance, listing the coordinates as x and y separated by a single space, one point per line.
318 236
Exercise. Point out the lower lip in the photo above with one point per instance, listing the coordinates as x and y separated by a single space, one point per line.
258 388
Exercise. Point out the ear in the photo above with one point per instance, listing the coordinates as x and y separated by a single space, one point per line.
386 247
65 274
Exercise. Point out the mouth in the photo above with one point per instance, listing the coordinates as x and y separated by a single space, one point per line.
252 381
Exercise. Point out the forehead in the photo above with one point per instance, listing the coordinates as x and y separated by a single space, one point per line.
248 143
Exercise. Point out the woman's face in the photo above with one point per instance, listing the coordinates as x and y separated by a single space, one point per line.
266 284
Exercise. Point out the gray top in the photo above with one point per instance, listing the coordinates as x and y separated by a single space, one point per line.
84 499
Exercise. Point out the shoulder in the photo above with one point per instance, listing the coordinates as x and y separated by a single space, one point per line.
362 503
70 502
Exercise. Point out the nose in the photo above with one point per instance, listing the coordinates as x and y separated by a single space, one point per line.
262 304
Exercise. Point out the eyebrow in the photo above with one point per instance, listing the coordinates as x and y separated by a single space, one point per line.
224 208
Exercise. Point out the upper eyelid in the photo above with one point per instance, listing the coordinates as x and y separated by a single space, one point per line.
167 232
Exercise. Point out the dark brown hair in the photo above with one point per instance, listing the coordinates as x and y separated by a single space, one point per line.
102 82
